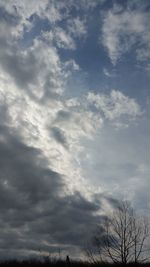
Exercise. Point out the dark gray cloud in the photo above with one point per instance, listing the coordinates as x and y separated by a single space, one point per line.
32 207
63 115
23 170
59 136
9 18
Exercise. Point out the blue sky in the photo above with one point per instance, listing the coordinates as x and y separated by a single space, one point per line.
74 125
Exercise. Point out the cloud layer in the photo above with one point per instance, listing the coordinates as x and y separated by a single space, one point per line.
62 150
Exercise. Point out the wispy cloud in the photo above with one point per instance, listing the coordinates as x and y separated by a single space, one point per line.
122 29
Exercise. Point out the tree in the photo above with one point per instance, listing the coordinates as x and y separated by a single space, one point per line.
124 238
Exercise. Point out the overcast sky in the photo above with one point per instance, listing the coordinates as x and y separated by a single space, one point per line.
74 119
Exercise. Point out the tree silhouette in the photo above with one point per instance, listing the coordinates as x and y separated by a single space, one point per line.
124 236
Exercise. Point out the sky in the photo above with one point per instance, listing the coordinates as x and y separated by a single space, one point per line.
74 120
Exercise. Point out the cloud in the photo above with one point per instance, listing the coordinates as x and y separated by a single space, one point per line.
77 27
20 160
124 29
59 136
108 73
46 133
26 10
32 203
60 38
37 70
115 105
53 12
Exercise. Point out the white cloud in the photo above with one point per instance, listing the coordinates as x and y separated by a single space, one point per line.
63 39
122 30
108 73
54 12
37 70
66 39
77 27
44 9
115 105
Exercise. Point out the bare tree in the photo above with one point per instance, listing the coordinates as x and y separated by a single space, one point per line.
125 236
